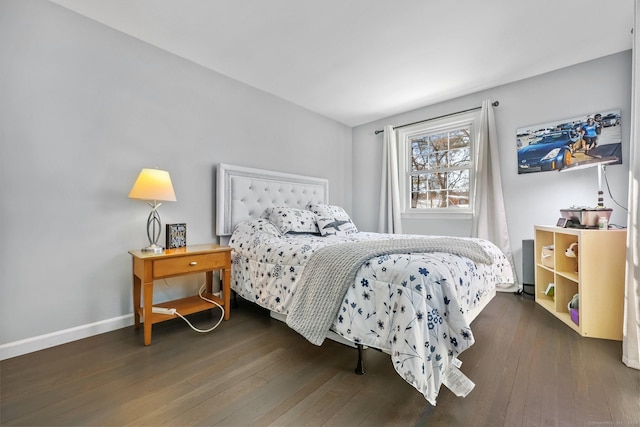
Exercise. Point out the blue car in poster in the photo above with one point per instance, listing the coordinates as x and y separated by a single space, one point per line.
549 152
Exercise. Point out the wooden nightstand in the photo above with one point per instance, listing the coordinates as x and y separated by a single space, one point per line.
148 267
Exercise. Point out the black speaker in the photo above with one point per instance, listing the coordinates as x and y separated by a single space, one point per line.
528 263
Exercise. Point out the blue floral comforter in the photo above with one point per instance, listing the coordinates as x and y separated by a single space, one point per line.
413 306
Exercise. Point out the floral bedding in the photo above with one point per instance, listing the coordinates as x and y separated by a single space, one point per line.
412 306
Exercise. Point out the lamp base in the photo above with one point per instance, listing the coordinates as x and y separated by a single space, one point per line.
153 248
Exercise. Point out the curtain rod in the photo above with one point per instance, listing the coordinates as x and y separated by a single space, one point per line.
495 104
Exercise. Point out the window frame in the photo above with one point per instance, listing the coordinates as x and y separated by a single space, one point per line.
404 134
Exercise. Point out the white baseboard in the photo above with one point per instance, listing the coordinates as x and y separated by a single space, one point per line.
29 345
508 287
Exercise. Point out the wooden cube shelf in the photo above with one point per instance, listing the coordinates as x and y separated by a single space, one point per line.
597 275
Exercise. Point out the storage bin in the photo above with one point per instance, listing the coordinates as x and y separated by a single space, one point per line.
575 315
548 259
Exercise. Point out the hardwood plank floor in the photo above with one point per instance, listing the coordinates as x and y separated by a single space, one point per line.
528 367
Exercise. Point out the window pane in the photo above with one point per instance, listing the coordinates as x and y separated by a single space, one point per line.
458 180
460 157
418 189
458 199
458 189
437 199
421 150
437 181
440 190
439 158
460 137
429 151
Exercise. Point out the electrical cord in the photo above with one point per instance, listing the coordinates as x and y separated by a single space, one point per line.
202 288
606 181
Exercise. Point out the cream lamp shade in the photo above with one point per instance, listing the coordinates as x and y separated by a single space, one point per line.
153 186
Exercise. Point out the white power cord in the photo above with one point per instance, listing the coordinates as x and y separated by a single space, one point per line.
174 311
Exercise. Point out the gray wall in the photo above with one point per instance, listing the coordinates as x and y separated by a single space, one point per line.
82 109
530 199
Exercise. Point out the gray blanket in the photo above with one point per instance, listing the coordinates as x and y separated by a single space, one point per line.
331 270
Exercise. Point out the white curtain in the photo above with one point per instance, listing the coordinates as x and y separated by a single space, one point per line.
389 219
489 218
631 325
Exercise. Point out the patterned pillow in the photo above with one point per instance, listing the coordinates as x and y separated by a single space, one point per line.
332 220
291 220
253 226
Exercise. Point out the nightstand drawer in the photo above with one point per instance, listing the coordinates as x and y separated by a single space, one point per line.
189 264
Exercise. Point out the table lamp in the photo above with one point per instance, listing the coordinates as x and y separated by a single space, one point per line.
153 186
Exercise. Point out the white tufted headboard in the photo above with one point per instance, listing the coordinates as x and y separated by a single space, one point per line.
244 193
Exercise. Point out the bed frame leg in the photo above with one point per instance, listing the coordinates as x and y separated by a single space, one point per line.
360 368
234 302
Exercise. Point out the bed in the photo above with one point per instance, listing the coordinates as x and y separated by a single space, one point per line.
412 297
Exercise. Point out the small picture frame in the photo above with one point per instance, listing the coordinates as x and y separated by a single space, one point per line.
176 235
562 222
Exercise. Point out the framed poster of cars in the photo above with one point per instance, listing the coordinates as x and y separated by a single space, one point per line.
176 235
571 142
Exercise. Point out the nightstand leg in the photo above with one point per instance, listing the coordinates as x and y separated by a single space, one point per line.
226 292
137 288
146 311
209 281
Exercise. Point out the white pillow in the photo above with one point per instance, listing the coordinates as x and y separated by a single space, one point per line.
291 220
332 220
257 225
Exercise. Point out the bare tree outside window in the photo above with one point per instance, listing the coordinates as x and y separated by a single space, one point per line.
441 169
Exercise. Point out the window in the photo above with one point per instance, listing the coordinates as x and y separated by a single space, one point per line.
437 160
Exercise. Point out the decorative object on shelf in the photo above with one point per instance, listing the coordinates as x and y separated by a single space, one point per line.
551 290
572 252
176 236
153 186
603 222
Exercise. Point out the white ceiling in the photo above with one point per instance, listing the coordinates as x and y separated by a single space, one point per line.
356 61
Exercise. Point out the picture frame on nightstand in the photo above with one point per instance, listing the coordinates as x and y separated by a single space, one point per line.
176 236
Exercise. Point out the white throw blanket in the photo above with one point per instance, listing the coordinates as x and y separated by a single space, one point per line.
331 270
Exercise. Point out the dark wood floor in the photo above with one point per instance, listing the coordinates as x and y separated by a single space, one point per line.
529 370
